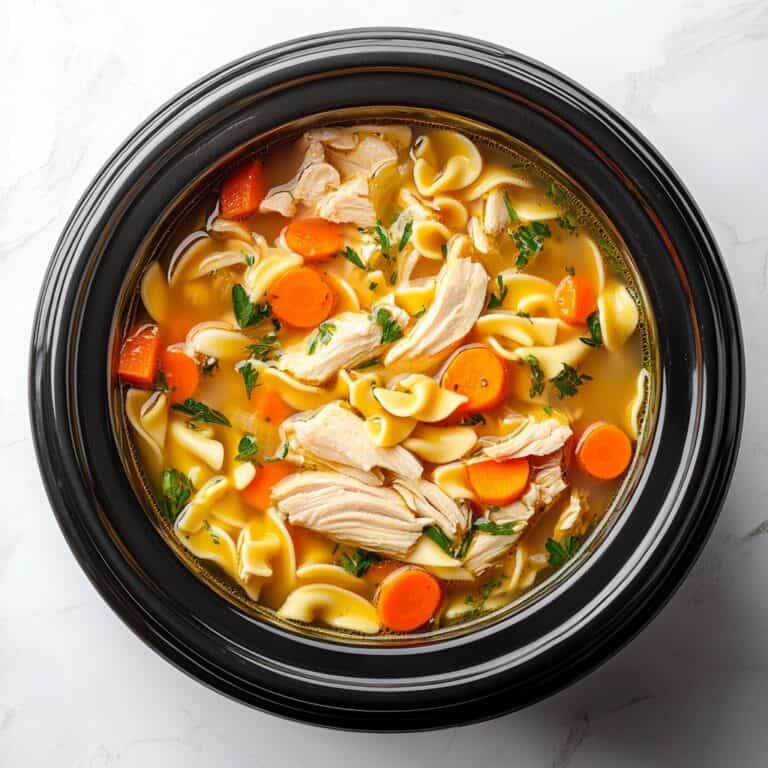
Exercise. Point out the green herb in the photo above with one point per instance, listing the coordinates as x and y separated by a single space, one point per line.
358 562
529 241
393 278
497 529
208 366
444 250
406 236
571 271
461 552
250 377
161 382
249 259
473 419
266 347
511 212
610 253
568 218
211 532
367 364
283 453
323 336
595 332
373 285
537 376
351 255
246 312
497 299
568 221
382 236
547 409
525 315
438 536
390 330
488 587
421 311
176 489
246 448
568 381
201 412
561 552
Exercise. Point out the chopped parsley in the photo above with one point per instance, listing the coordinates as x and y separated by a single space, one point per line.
248 258
561 552
421 312
211 532
382 236
473 418
250 377
246 312
263 349
438 536
247 448
161 382
351 255
511 212
209 365
444 250
525 315
393 278
373 285
280 456
595 338
176 489
201 412
323 336
406 236
367 364
568 381
537 376
529 240
358 562
390 330
547 409
461 552
497 299
497 529
568 218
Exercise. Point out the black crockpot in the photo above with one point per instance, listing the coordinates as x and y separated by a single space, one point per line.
625 574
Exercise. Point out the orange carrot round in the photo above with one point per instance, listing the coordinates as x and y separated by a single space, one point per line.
242 192
604 450
257 492
181 374
139 357
270 406
479 374
575 299
314 239
407 599
301 297
498 482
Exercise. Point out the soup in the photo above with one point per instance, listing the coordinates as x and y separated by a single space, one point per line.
386 378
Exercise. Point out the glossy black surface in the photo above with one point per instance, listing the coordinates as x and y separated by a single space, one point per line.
501 666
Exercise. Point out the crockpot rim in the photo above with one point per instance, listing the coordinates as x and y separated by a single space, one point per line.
68 523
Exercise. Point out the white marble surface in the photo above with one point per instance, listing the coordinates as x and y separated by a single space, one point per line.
78 689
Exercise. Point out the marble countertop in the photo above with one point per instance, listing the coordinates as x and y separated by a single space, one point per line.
77 688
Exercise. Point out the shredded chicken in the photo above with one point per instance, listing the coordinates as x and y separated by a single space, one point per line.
530 438
459 299
349 204
366 158
356 337
349 511
572 520
428 500
335 434
495 216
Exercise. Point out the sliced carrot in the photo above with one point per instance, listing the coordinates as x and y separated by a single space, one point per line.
604 450
314 239
181 374
301 297
242 192
139 357
575 299
408 599
479 374
498 482
379 571
257 493
270 406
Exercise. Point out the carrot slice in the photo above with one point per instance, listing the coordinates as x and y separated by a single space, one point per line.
479 374
379 571
498 482
301 297
314 239
270 406
575 299
181 374
139 357
242 192
604 450
257 493
407 599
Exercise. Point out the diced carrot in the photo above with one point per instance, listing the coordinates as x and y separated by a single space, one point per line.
379 571
407 599
270 406
181 374
604 450
301 297
257 493
314 239
498 482
575 299
242 192
479 374
139 357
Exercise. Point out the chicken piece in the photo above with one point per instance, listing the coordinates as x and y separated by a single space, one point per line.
573 519
356 337
459 299
365 159
478 236
550 479
428 500
336 434
349 204
349 511
495 215
530 438
315 180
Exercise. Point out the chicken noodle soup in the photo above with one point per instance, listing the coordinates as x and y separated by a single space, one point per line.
387 380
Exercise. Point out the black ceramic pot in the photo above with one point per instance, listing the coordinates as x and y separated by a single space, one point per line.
621 579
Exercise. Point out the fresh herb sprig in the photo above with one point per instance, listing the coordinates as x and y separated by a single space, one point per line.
247 448
323 336
198 411
561 552
595 338
358 562
382 237
497 529
406 236
176 490
246 312
496 299
440 538
214 536
568 381
390 330
250 377
265 348
537 376
511 212
529 240
350 254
